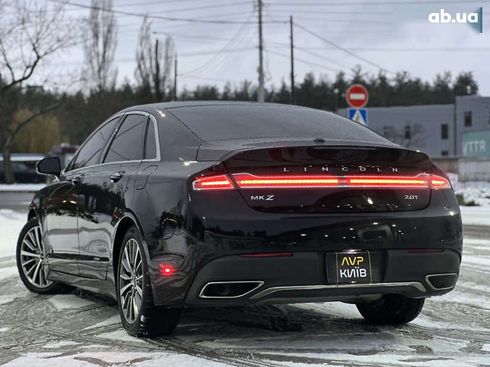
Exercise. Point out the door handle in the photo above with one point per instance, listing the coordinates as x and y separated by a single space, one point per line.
116 176
76 179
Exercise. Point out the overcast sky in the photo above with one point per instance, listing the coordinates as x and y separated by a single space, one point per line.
394 35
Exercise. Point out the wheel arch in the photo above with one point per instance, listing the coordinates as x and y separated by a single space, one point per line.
31 214
126 222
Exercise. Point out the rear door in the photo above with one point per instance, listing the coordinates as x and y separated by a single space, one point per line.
104 192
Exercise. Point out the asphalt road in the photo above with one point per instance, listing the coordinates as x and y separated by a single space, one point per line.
81 329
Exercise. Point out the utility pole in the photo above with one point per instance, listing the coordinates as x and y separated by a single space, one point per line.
292 99
260 92
175 77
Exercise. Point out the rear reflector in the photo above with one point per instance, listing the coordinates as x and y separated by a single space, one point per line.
249 181
167 270
219 182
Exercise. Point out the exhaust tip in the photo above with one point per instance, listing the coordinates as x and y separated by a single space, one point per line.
441 282
232 289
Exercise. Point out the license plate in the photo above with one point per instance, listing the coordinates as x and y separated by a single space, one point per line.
353 267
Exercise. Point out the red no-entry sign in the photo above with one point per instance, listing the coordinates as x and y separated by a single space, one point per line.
357 96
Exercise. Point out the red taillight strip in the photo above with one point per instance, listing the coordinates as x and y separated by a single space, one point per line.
245 180
387 181
249 181
423 181
219 182
437 182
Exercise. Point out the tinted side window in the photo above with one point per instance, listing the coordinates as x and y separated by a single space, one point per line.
150 144
91 151
128 145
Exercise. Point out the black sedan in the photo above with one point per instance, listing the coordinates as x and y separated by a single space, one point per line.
191 204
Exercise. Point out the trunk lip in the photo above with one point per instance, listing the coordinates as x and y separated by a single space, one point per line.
224 150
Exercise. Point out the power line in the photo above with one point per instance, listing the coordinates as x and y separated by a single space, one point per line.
191 36
337 20
332 61
158 2
327 12
227 48
405 49
349 52
160 17
378 3
192 54
204 7
304 61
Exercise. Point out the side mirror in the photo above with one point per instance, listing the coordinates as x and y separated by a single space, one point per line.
49 166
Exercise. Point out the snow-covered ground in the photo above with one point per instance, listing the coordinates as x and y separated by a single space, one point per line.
11 223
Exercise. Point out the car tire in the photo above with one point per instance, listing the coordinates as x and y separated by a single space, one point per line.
134 285
32 263
391 309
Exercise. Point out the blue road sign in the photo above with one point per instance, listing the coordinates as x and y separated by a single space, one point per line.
359 115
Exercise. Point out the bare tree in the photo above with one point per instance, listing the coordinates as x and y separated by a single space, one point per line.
29 34
100 46
154 63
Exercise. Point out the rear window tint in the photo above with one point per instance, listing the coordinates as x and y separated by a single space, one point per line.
255 122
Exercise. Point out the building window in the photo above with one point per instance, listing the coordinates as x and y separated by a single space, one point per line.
444 131
386 131
467 119
444 153
408 132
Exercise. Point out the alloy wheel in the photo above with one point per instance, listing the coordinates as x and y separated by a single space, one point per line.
131 281
33 258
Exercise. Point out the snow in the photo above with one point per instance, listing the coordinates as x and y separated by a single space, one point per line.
120 335
4 299
11 223
91 359
476 215
60 344
68 301
8 272
21 187
114 320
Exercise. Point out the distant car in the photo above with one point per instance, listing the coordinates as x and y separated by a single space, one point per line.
213 204
24 168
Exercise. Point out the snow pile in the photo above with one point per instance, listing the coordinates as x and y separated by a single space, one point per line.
481 196
11 223
474 192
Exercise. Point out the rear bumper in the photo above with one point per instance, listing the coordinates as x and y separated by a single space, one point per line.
406 247
307 277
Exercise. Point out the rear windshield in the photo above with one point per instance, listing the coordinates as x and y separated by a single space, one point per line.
224 122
